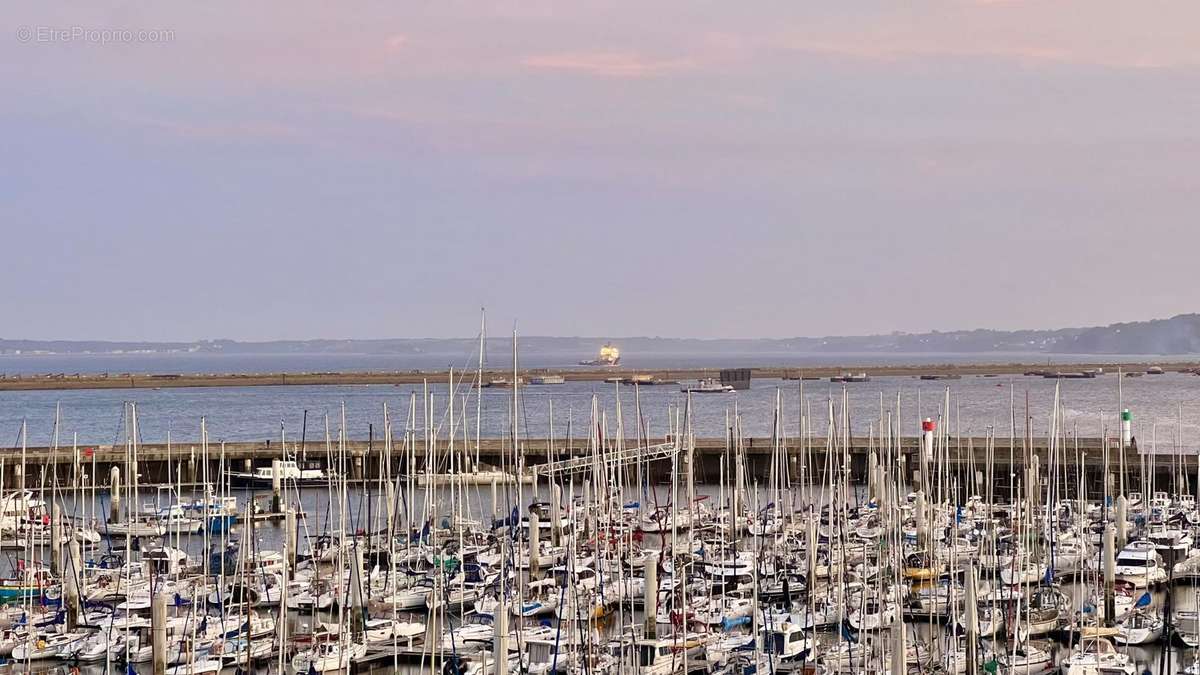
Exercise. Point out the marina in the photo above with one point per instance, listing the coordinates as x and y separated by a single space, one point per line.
830 544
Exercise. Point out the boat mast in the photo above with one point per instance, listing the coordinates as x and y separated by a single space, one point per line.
479 383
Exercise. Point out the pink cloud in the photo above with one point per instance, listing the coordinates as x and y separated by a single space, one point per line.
606 64
395 42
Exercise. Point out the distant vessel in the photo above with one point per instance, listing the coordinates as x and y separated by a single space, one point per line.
502 383
1081 375
640 378
609 356
708 385
289 472
547 379
851 377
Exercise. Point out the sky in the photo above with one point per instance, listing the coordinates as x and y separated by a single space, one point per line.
686 168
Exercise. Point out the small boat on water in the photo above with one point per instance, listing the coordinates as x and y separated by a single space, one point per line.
501 383
707 385
135 528
289 472
175 520
851 377
1140 565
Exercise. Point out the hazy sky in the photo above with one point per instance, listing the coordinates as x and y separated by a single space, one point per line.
688 168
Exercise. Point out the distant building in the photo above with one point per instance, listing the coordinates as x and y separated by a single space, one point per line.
738 378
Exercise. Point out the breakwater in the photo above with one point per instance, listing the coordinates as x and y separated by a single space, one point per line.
665 376
158 463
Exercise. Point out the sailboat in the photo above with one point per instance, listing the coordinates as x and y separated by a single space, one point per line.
1096 655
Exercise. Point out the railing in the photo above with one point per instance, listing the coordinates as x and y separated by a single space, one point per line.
607 459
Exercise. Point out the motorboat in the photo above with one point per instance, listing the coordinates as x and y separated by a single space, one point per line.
1140 565
670 656
289 472
788 642
707 385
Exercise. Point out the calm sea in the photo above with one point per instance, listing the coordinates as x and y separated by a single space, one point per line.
257 413
209 363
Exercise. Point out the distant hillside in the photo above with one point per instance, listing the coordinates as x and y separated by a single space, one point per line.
1177 335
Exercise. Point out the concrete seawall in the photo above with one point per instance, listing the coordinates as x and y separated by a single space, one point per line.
365 460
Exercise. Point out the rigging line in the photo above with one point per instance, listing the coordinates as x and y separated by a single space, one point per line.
16 444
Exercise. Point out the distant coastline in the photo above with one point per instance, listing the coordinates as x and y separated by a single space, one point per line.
1178 335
